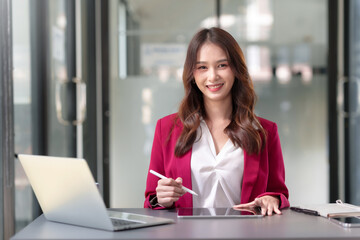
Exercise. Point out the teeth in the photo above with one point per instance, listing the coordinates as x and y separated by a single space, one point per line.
215 86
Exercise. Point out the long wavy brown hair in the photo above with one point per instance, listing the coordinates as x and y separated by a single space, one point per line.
244 130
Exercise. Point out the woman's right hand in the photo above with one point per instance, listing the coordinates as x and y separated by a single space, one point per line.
169 191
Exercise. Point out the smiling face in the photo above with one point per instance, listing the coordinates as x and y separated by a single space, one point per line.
213 74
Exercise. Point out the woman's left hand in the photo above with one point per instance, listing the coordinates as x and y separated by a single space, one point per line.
268 204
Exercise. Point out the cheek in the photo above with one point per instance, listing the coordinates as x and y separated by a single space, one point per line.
197 77
233 80
198 83
196 74
231 77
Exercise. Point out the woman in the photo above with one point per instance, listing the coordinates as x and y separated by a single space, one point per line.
215 144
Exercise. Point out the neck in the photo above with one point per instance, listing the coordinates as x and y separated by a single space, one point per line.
218 110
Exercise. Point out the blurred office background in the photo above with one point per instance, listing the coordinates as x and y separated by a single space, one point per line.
91 78
285 44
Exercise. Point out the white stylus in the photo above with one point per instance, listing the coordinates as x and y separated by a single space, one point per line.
163 177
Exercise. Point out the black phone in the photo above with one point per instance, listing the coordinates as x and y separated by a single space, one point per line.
348 222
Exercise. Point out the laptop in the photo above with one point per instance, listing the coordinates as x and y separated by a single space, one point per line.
67 193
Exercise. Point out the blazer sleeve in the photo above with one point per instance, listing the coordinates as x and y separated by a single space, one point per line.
276 178
156 164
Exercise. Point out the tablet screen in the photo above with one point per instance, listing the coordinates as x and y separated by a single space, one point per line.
218 213
349 220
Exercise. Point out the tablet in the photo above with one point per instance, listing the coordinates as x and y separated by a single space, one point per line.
218 213
348 222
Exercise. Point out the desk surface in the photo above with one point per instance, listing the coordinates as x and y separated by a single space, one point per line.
289 225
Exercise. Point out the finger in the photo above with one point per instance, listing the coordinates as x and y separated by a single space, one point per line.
179 180
171 182
164 194
245 205
167 182
263 211
170 185
167 200
270 209
170 190
259 202
277 211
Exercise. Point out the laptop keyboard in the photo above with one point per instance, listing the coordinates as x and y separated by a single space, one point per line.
121 222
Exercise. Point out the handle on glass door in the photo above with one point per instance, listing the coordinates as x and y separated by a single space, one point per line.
340 96
354 96
351 84
80 102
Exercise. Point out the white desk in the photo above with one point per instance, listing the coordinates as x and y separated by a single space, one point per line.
290 225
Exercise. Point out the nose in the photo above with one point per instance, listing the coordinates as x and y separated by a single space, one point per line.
212 75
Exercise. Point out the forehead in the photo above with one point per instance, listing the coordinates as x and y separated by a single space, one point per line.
210 51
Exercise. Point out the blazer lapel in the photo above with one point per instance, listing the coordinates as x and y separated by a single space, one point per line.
251 170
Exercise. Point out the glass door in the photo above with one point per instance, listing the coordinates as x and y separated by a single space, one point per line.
49 98
146 60
286 54
23 116
44 61
352 101
61 87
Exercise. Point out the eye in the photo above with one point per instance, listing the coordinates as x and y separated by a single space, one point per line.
201 67
223 65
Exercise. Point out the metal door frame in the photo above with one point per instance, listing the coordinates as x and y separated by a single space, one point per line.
7 210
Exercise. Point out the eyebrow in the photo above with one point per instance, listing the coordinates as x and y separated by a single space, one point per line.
218 61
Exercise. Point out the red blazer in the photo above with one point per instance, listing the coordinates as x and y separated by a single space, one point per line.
264 174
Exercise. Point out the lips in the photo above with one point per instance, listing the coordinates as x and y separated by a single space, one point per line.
215 87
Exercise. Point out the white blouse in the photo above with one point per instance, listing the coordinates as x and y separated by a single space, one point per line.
216 178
